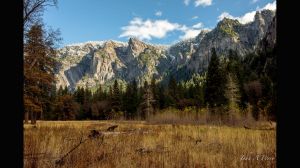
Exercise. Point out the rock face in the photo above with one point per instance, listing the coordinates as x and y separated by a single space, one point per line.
92 63
269 40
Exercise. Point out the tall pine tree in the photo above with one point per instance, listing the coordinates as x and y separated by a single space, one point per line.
39 66
146 106
115 99
215 83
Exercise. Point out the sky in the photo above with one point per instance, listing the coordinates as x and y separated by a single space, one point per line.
153 21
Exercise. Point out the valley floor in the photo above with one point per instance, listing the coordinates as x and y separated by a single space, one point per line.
89 144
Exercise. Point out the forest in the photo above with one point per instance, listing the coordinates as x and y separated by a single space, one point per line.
231 84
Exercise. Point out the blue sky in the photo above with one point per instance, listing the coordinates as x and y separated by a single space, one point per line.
154 21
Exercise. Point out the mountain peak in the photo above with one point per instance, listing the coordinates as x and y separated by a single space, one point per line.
134 41
136 46
139 60
264 15
228 22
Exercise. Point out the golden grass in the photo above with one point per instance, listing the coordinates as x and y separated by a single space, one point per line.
138 144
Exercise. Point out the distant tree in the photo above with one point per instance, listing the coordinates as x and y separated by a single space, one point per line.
172 95
232 92
131 100
154 90
49 113
79 95
66 108
87 102
180 91
199 96
60 91
215 83
146 106
253 90
99 94
161 97
65 90
115 99
233 96
101 109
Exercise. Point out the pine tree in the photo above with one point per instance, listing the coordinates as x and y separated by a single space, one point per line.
215 83
115 99
161 97
39 66
146 105
199 95
154 91
172 91
232 94
66 108
98 95
131 99
60 91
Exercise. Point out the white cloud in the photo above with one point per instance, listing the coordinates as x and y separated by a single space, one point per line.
158 13
195 17
225 15
254 1
190 33
248 17
186 2
270 6
198 25
203 2
148 29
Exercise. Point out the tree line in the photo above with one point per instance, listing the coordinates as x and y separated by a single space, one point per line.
231 83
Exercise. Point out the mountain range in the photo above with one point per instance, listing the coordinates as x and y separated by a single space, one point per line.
101 62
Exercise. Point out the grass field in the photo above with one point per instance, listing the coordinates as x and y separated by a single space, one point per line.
138 144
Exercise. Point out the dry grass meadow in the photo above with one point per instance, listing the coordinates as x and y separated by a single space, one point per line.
139 144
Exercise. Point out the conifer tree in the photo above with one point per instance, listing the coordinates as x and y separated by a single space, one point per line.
146 105
172 91
232 94
161 97
115 99
154 91
215 83
131 99
39 66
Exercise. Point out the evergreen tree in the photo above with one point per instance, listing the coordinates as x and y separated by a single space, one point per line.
215 83
79 95
116 98
161 97
39 66
232 94
66 108
154 91
172 91
146 105
199 95
98 95
60 91
131 99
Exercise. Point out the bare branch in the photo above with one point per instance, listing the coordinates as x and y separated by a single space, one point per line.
33 9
